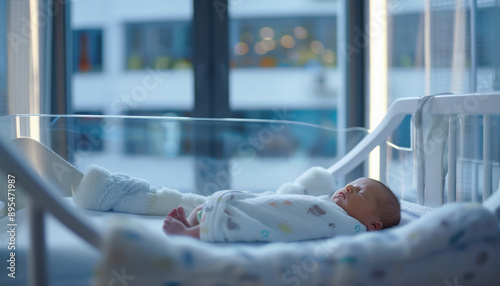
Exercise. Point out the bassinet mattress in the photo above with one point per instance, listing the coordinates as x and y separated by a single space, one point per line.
71 261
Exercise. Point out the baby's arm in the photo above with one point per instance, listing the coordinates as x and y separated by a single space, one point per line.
193 216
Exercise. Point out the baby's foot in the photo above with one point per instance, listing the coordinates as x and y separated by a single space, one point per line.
173 226
180 215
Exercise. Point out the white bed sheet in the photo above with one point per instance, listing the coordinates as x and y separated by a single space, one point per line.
412 211
71 260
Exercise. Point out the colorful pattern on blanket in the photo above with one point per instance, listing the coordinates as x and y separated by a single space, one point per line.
457 244
230 216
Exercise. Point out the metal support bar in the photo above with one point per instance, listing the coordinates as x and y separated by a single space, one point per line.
420 155
452 158
475 181
61 72
3 55
383 162
473 57
42 192
487 165
37 259
42 197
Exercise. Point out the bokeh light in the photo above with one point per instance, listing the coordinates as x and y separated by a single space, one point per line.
247 37
268 45
300 32
287 41
317 47
259 49
241 49
266 33
328 56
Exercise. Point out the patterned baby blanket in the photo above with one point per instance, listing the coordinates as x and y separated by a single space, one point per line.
247 216
457 244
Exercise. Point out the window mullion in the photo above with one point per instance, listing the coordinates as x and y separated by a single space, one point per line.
211 58
211 93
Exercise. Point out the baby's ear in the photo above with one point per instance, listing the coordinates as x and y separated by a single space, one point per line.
375 225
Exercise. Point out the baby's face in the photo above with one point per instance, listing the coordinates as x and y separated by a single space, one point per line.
359 199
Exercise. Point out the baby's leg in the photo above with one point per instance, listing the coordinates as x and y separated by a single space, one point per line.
193 216
174 227
179 214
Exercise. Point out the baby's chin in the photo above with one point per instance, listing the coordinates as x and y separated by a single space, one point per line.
337 201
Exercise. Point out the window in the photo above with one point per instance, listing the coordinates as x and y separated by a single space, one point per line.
160 45
89 133
407 47
87 50
283 64
142 50
283 42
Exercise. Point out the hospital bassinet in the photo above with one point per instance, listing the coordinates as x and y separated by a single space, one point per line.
439 165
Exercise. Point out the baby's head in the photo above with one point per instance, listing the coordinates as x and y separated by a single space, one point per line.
371 202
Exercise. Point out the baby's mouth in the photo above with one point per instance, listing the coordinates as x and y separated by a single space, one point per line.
341 195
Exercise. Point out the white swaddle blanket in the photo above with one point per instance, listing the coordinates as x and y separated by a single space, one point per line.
248 216
102 190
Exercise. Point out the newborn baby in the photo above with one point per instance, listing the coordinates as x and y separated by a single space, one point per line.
363 205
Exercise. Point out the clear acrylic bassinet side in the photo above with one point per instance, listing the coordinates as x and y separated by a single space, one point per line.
189 154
